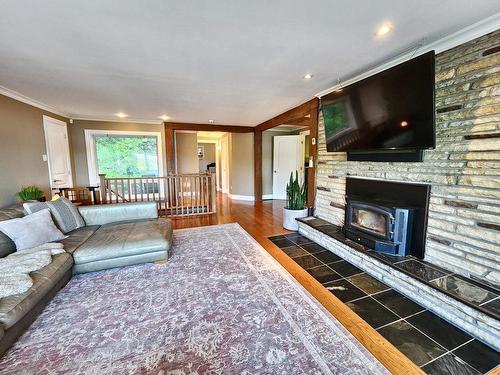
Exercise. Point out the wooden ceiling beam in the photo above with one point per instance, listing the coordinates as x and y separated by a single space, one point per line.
290 116
209 127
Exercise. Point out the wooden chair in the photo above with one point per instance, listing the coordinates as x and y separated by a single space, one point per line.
82 195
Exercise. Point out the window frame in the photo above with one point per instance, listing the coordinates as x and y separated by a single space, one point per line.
90 145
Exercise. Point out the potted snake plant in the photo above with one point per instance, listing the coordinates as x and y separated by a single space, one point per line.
295 202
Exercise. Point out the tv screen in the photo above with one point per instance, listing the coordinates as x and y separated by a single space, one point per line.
390 110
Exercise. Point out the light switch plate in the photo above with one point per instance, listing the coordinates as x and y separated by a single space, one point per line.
44 157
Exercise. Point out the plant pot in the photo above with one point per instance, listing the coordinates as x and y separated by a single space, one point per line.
289 217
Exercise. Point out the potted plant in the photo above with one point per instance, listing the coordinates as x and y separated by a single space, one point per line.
31 193
295 203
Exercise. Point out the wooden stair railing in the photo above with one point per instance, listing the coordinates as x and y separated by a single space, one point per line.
175 195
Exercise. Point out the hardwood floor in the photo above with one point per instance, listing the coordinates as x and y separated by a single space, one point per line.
264 219
260 219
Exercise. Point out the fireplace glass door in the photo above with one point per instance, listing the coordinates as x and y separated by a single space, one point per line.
371 220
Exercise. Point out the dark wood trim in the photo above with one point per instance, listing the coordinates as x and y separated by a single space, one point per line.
257 165
482 136
170 149
305 114
209 127
289 117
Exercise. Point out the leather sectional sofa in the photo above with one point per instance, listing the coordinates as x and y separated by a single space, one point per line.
115 235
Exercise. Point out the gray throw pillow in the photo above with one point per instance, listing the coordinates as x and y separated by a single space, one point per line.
32 230
65 214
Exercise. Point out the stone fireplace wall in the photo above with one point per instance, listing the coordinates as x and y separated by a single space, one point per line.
464 170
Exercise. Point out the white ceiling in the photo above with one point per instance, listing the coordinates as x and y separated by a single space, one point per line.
235 61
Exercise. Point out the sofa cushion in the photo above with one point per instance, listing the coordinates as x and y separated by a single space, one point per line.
65 214
7 246
13 308
77 237
32 230
125 239
115 213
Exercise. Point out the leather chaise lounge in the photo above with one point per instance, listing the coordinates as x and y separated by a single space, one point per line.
115 235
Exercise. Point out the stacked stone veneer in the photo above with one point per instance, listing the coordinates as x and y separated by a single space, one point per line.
464 169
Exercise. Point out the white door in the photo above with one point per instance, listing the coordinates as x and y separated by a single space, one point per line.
288 157
58 155
225 164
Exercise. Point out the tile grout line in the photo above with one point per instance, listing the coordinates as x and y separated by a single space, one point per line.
451 352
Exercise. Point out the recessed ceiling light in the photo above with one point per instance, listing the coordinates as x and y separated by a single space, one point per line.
163 117
308 76
121 115
384 29
211 121
404 124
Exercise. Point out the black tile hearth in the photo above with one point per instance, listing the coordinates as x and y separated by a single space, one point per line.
479 356
299 240
324 274
389 258
345 268
273 238
315 222
414 344
327 257
344 290
367 283
282 242
439 330
294 251
434 344
421 270
313 247
465 290
449 365
372 312
307 261
493 305
398 303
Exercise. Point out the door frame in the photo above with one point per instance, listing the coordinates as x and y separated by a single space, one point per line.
91 150
47 120
301 139
225 165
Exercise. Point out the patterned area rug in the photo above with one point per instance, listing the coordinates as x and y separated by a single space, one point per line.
222 305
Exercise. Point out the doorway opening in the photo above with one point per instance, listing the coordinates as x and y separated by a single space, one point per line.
284 151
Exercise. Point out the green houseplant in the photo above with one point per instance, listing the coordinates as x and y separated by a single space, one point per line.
30 193
295 202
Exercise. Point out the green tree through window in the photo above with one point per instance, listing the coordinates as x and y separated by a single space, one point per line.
127 156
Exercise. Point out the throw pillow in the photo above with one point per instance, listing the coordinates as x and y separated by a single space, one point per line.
32 230
65 214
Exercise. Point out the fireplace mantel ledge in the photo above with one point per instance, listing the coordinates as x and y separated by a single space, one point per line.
471 320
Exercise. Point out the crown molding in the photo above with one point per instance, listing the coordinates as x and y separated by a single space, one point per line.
32 102
122 120
462 36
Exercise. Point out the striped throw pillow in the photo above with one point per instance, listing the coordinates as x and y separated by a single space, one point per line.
65 214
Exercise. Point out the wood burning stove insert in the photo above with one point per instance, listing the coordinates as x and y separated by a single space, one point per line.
389 217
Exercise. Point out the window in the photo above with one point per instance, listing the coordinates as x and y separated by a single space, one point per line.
123 154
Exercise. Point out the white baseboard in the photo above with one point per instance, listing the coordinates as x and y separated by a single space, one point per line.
267 196
249 198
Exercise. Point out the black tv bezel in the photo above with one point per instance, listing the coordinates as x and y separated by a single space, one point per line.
431 55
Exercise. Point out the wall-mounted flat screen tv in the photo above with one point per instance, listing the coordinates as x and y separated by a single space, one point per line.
390 110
